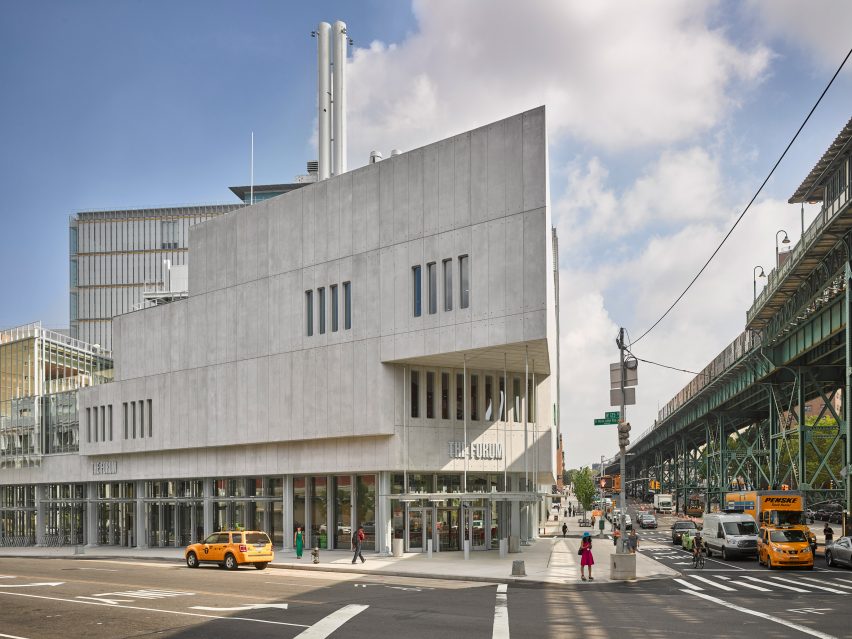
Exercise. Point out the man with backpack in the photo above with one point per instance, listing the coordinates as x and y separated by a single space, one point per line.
357 539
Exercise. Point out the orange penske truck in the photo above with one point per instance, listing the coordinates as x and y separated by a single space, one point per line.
772 509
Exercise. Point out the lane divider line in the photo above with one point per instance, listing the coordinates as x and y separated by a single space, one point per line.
763 615
500 630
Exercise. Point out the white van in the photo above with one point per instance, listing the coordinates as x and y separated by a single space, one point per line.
729 534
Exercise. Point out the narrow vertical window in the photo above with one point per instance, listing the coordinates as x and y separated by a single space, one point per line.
474 397
430 395
464 281
141 419
95 423
531 402
432 284
126 423
448 284
445 395
516 399
321 309
415 270
415 393
103 423
150 420
459 396
89 425
110 422
334 308
133 419
347 305
503 401
309 313
489 398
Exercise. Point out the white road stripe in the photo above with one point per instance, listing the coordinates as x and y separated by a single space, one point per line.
713 583
826 588
752 586
12 636
500 629
769 582
763 615
683 582
832 582
328 624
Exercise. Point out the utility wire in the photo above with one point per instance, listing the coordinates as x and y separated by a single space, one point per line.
754 197
674 368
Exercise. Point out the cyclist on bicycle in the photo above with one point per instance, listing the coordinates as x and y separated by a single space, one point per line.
697 545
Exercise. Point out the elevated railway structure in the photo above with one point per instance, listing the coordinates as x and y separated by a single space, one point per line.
771 410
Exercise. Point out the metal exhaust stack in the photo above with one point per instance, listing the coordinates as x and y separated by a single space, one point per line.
339 41
323 102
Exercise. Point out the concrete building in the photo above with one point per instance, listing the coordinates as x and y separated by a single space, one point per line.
375 349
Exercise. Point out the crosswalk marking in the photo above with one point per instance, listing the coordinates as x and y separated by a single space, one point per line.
826 588
713 583
773 583
833 583
683 582
752 586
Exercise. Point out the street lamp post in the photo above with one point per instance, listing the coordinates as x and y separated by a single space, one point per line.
786 240
754 281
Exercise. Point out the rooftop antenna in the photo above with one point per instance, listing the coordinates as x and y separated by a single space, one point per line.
251 188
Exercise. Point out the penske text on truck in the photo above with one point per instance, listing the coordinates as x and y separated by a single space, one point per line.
772 508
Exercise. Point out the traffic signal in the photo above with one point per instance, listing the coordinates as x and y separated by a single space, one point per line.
603 483
624 434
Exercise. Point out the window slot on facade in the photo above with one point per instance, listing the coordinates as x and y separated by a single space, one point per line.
432 285
126 423
309 313
430 395
415 393
464 281
95 423
110 422
133 419
416 287
334 308
103 423
347 305
516 399
141 419
321 309
448 284
150 420
474 397
530 403
503 399
459 396
445 395
489 398
89 425
169 231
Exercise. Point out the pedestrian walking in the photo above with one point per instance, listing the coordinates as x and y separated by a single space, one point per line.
357 540
564 530
615 537
633 541
299 541
586 558
828 531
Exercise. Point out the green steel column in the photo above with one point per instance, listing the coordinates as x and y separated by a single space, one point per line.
847 391
773 442
707 467
723 460
803 432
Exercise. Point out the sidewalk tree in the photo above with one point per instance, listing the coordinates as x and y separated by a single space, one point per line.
584 488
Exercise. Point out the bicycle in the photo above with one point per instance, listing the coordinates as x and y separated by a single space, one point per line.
698 559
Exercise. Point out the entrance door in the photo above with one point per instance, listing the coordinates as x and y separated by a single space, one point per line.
479 528
420 527
449 529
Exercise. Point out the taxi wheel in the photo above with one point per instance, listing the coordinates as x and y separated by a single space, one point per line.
192 560
260 565
829 560
231 562
769 563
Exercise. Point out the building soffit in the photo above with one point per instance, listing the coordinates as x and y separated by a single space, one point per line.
489 358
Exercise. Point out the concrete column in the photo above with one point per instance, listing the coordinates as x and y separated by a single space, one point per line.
384 524
193 524
141 523
287 511
91 534
41 518
207 492
515 510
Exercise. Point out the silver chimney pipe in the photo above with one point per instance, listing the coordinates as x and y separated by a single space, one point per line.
339 41
323 102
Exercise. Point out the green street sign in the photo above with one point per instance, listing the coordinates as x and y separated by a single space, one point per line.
600 422
616 415
606 421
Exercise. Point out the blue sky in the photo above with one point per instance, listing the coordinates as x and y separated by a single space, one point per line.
663 118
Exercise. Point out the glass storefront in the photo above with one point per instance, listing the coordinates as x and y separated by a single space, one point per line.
365 500
342 511
319 512
299 494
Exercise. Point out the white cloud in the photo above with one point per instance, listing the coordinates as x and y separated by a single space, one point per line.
820 27
617 75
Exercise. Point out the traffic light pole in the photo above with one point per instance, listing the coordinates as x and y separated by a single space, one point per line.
622 542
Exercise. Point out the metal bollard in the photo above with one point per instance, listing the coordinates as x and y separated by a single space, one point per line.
315 555
518 569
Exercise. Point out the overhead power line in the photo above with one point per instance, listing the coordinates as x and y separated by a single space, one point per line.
674 368
754 197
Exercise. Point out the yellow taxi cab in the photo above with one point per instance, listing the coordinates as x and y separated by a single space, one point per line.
779 547
230 549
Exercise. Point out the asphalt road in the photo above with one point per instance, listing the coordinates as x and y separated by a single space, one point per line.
69 598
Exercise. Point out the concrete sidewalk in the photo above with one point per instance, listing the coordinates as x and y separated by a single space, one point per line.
550 559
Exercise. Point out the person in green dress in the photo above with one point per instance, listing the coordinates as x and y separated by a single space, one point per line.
299 541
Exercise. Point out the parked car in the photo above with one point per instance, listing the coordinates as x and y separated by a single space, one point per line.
839 553
836 517
680 527
231 549
648 521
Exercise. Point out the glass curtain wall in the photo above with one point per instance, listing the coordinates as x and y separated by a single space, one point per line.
64 513
319 512
17 516
342 511
299 494
365 500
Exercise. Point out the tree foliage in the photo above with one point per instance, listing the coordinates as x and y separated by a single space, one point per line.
584 487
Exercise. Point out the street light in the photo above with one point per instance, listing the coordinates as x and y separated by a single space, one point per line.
762 274
786 240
